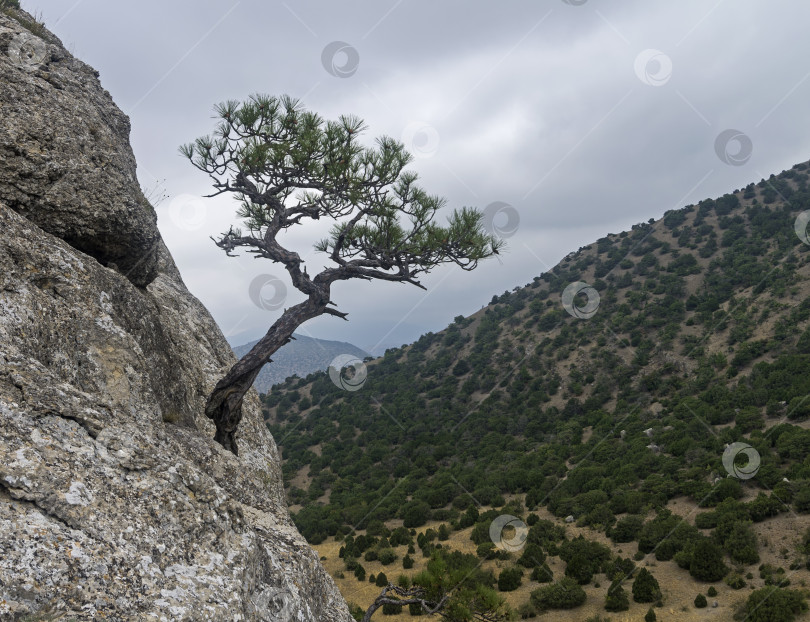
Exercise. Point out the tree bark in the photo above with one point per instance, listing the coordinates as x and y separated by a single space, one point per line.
224 405
409 596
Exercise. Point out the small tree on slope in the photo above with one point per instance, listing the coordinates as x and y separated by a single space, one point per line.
645 587
286 166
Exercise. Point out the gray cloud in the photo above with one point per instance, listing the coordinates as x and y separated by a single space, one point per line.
538 105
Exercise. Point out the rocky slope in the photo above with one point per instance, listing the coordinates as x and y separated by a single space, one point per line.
115 502
300 357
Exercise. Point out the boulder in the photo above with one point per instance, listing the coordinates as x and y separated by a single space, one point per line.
67 162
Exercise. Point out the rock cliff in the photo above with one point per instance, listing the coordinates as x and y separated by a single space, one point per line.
115 503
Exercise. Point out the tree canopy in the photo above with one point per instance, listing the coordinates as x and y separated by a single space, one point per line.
287 166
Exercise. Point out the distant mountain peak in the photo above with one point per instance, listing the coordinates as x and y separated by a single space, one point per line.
301 357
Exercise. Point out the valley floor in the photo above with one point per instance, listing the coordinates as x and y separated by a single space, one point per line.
779 537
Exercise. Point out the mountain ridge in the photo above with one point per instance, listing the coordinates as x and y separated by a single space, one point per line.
300 357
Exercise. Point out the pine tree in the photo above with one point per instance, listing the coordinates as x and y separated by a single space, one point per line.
286 166
741 544
510 579
580 568
616 598
707 561
645 587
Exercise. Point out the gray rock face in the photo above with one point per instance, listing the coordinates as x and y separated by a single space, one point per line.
67 163
115 503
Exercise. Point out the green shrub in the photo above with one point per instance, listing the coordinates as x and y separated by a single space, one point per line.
627 529
684 558
772 604
381 580
773 576
620 568
741 544
564 594
390 609
711 592
407 562
486 550
415 514
387 556
480 533
580 568
650 617
583 558
801 498
706 520
533 555
526 611
542 574
707 561
616 598
509 579
356 611
645 587
700 601
665 526
400 536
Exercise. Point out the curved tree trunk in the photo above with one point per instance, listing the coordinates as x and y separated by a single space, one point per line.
224 405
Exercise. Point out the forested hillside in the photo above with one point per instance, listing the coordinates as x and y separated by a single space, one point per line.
609 406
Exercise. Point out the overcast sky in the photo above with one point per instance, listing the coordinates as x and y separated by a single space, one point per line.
584 117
